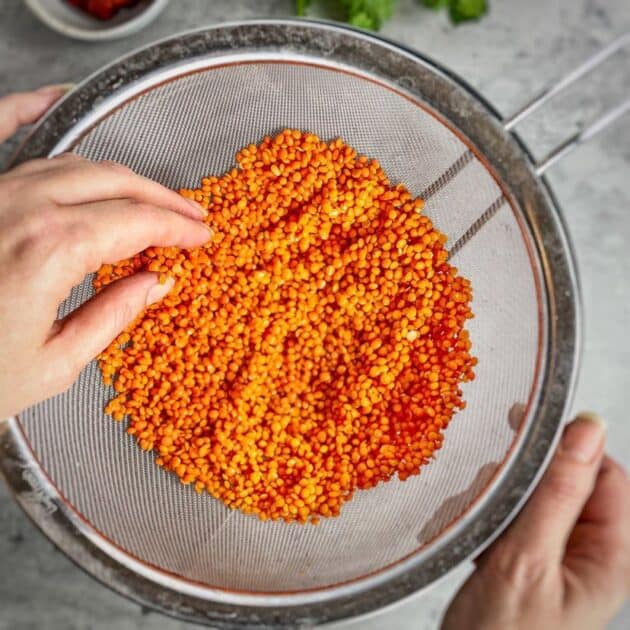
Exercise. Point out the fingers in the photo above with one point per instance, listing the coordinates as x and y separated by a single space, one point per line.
82 181
543 527
109 231
69 179
603 532
609 504
25 108
64 244
89 329
43 165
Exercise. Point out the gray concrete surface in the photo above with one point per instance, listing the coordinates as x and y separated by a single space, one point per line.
507 57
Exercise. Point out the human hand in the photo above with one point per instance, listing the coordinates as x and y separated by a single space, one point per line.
60 219
564 563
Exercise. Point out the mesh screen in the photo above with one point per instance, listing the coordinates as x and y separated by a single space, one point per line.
192 126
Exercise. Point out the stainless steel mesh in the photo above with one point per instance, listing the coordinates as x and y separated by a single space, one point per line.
192 125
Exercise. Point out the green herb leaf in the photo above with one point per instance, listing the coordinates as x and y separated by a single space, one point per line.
371 14
301 6
363 20
463 10
368 14
435 4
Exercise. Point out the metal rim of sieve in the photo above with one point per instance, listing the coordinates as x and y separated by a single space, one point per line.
458 106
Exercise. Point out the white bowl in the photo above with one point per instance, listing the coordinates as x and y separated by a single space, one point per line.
71 21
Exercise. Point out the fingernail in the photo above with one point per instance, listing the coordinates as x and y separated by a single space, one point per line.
584 438
198 207
158 291
59 88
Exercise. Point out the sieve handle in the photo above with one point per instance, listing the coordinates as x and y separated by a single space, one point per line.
591 130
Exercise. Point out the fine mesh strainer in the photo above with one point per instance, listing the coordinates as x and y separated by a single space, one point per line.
179 110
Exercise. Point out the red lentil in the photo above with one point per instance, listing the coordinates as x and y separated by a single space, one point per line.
314 347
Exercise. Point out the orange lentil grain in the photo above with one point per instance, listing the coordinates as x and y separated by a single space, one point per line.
315 346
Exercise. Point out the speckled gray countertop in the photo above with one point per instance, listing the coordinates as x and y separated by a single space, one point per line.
507 57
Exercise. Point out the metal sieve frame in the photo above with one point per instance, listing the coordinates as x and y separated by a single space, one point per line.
509 160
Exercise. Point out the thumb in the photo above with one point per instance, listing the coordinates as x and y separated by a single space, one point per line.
546 522
24 108
88 330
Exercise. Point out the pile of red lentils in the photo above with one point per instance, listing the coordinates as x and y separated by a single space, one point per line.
315 346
